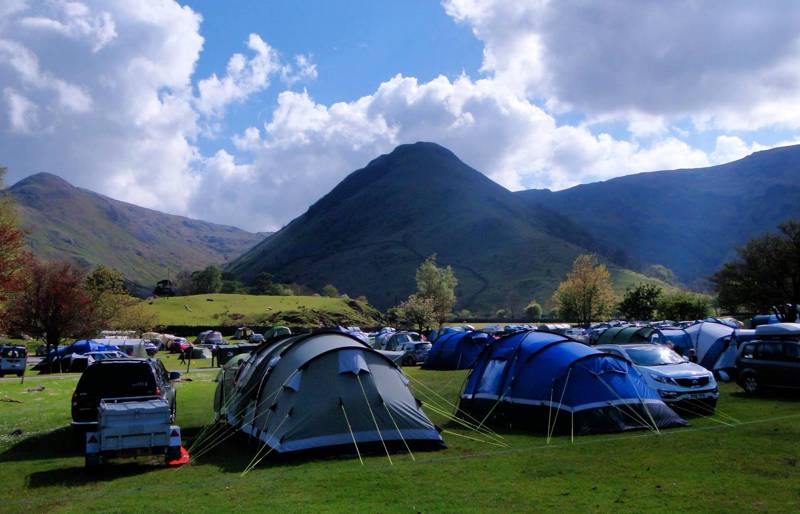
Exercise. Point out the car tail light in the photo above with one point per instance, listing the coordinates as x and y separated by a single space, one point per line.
174 433
158 391
75 399
92 439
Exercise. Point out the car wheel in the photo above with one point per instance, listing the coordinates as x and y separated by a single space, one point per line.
93 461
750 384
408 361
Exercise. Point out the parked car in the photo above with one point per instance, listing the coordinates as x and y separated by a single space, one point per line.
13 359
209 339
414 352
392 343
101 356
255 338
120 378
679 382
772 360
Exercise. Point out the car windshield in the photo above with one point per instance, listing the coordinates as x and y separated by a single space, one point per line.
655 356
13 353
423 346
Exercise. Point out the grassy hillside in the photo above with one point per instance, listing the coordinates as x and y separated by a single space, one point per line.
218 309
688 220
370 233
743 460
66 222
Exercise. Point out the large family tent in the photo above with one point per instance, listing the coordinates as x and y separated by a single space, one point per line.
457 350
675 337
711 342
548 381
326 390
622 335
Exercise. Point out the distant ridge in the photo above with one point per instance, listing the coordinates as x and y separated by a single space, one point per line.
66 222
689 220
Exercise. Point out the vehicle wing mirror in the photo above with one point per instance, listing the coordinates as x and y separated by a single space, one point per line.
174 375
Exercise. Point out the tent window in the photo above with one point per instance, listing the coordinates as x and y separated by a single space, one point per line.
490 381
294 382
352 361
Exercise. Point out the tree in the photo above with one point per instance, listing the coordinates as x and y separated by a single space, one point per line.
765 276
263 284
53 303
207 281
330 290
586 294
640 302
502 314
12 254
533 310
417 311
684 305
104 279
439 285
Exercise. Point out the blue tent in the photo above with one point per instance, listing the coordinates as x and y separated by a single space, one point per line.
548 381
457 350
710 341
83 346
677 337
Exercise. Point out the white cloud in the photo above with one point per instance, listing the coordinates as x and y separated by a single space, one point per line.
303 70
243 78
734 65
23 115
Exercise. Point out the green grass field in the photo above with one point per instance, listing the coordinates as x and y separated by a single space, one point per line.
214 309
715 465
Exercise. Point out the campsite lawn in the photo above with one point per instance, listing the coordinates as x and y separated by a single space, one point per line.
212 309
750 464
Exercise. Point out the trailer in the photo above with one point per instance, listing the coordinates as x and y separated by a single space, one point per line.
131 427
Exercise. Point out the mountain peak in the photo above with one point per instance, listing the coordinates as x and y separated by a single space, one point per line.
43 179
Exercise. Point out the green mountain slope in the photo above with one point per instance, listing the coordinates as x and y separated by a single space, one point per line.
63 221
688 220
369 234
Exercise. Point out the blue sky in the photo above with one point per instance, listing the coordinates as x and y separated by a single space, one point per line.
247 112
356 44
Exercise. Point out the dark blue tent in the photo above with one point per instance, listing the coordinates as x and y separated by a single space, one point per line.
83 346
548 381
457 350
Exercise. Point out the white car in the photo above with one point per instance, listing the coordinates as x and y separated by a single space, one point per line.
680 383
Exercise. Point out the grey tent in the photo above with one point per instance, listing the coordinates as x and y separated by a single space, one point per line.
323 391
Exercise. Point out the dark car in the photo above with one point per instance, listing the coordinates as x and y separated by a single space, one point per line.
123 378
772 360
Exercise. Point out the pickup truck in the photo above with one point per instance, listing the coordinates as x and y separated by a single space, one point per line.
130 427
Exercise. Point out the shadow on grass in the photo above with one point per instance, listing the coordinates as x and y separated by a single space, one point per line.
236 453
782 395
62 442
76 476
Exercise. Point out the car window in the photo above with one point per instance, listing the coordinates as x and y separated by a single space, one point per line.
654 356
749 351
112 380
791 351
770 351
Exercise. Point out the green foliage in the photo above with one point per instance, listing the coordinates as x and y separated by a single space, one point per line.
662 273
640 302
12 255
765 276
330 291
683 305
104 279
208 280
439 285
502 314
232 287
417 311
533 310
586 295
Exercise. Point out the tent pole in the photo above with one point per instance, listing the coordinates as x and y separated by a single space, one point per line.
364 392
341 404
